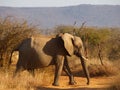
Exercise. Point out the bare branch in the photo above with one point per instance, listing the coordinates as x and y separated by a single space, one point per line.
82 25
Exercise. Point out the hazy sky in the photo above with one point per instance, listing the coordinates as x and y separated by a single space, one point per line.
54 3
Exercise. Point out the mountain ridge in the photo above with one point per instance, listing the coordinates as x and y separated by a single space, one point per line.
49 17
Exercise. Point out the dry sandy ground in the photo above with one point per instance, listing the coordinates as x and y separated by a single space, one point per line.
98 83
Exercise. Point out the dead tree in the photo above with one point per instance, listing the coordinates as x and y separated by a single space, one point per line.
74 32
81 28
85 40
100 54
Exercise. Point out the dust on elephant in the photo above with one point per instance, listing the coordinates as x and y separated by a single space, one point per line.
41 51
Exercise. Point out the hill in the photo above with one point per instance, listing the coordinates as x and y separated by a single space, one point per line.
49 17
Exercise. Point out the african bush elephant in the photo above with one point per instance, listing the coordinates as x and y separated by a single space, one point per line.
41 51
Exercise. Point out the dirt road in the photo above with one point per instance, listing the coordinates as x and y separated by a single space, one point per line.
98 83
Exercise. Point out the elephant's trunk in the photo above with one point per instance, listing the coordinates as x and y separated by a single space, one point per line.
84 65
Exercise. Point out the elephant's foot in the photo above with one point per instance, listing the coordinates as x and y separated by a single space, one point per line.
88 83
55 84
72 83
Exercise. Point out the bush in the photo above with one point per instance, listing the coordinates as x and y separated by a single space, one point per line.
103 41
12 33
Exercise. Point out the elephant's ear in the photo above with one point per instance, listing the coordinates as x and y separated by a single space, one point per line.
68 39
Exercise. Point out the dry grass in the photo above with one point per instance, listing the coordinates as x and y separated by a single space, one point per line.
95 68
44 76
116 84
25 81
108 69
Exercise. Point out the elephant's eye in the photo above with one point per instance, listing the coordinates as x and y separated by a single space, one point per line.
76 50
76 46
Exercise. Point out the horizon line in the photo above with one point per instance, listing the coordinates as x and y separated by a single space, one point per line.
58 6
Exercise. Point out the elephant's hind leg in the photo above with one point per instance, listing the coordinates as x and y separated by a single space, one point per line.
58 69
66 68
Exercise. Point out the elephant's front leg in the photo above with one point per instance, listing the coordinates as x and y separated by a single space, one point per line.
66 68
58 69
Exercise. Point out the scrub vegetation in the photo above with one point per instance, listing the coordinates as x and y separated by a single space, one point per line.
102 48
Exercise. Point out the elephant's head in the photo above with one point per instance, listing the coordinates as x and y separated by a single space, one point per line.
74 45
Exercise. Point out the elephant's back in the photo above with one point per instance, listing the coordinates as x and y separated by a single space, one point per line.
43 48
39 41
45 45
39 51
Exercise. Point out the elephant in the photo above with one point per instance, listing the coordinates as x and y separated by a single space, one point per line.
41 51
